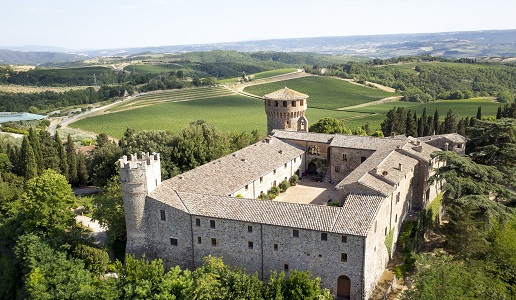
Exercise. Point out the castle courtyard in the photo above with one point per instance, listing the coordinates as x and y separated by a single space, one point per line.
309 191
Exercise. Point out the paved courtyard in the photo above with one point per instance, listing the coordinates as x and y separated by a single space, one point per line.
308 191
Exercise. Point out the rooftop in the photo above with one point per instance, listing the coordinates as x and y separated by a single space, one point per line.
285 94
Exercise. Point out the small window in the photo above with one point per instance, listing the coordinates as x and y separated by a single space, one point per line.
275 247
284 103
344 157
301 103
396 218
295 233
197 222
285 267
199 240
398 197
344 257
362 159
163 216
293 103
295 159
344 238
173 241
375 225
324 236
385 231
274 172
261 179
214 242
285 166
250 245
247 187
276 103
249 228
212 224
337 169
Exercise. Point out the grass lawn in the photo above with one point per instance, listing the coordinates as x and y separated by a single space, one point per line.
324 92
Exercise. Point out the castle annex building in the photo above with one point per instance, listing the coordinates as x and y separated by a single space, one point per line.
378 182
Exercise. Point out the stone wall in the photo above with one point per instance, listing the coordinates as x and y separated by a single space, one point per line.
345 160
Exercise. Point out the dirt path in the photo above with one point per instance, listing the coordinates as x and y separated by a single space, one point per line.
384 100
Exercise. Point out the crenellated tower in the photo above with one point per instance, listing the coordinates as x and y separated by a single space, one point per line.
139 177
286 109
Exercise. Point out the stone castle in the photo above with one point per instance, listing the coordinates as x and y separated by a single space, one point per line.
213 209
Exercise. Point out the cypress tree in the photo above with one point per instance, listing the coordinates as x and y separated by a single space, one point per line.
420 127
72 161
61 153
36 147
450 122
411 127
436 121
461 127
29 166
82 170
48 151
424 118
479 113
499 113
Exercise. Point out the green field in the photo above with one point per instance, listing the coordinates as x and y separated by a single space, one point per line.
153 68
261 75
324 92
73 72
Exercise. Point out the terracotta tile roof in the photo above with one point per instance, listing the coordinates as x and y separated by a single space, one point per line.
232 172
285 94
358 213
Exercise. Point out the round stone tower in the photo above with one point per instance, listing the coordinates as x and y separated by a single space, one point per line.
286 109
139 177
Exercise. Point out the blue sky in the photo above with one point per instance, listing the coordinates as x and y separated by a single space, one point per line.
99 24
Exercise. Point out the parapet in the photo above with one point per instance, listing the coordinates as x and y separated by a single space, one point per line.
135 163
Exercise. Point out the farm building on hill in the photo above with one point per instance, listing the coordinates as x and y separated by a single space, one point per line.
213 209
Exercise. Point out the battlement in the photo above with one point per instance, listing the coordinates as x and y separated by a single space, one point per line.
138 163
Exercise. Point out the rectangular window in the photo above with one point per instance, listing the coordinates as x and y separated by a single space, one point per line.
301 103
275 247
284 103
274 172
337 169
295 233
362 159
247 187
197 222
385 231
293 103
285 166
212 224
285 267
396 219
324 236
199 240
249 228
250 245
344 239
398 197
344 257
295 159
375 225
214 242
344 157
173 241
163 216
261 179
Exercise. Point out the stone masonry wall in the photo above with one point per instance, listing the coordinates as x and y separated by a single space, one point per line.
345 160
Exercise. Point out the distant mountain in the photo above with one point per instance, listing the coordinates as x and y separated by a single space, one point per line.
447 44
36 58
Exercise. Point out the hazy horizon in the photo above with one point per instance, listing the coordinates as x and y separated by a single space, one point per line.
149 23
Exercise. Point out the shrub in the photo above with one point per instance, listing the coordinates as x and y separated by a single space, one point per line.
273 192
263 196
284 185
95 260
294 179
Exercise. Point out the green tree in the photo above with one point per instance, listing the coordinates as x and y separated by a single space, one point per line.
436 121
29 166
479 113
110 210
61 153
103 162
505 97
47 202
450 122
36 147
329 125
493 142
48 151
82 170
71 156
411 126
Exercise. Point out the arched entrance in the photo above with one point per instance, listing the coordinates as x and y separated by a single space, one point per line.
312 168
343 286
